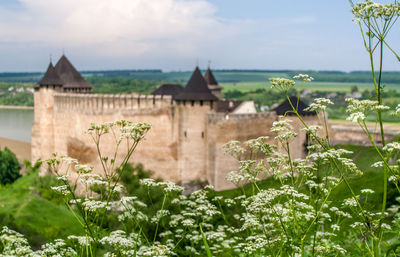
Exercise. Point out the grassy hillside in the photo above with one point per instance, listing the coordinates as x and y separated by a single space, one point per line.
363 156
23 209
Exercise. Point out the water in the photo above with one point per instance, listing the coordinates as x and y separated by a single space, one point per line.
16 124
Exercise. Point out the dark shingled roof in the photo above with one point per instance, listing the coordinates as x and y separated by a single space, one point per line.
209 78
227 105
69 75
168 89
50 78
286 108
196 89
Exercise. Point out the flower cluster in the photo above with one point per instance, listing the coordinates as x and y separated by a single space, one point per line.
319 105
370 9
397 111
359 109
168 186
127 130
234 149
284 130
134 131
304 77
282 84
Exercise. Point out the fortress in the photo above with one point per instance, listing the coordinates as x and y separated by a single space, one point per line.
190 125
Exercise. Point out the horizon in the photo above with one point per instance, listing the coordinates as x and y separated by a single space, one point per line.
203 69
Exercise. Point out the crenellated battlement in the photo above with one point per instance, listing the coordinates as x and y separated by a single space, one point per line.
186 142
215 117
108 103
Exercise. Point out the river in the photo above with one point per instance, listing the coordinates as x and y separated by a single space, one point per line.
16 124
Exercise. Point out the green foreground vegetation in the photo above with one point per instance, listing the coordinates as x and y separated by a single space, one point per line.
30 207
24 208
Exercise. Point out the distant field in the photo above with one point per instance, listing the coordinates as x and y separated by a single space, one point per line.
245 86
119 81
345 86
314 86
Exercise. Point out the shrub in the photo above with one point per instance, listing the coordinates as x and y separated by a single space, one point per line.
9 167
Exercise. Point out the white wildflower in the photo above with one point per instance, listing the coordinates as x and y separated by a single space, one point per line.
304 77
94 205
356 117
83 168
282 84
367 191
61 189
378 164
319 105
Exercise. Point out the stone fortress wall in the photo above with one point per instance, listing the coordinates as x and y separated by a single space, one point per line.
61 128
108 103
185 142
188 130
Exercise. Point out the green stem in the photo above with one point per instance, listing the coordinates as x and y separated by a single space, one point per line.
158 221
290 163
379 96
387 45
205 242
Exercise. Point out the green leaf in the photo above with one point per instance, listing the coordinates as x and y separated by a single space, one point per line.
205 242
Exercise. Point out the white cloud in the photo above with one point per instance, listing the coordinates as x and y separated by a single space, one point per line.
117 27
172 34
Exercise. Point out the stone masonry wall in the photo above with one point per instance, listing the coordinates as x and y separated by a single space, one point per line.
184 144
193 133
73 114
352 133
43 126
224 128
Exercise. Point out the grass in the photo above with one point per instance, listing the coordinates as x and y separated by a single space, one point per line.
22 209
244 86
40 220
363 156
372 178
344 86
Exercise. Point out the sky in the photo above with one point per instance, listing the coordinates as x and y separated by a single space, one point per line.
176 35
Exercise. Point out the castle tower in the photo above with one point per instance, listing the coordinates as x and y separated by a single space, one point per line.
213 84
72 79
193 104
43 125
60 78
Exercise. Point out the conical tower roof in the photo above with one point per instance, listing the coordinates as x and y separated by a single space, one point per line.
51 77
286 109
168 89
209 77
69 75
196 89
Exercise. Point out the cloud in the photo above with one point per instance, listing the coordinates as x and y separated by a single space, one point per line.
172 34
116 28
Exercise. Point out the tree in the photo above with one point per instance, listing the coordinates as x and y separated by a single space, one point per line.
9 167
354 89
